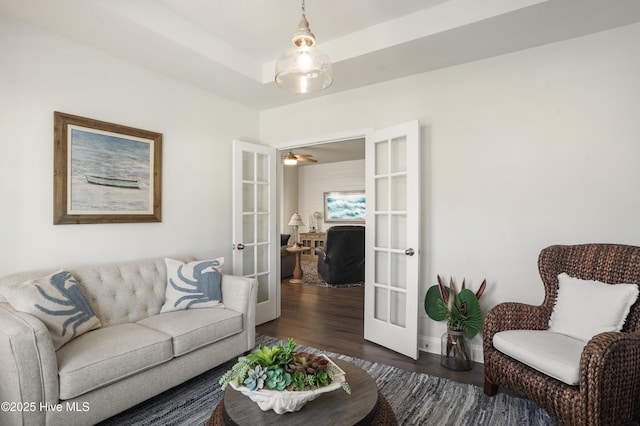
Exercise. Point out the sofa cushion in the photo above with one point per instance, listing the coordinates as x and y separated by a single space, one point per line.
608 303
107 355
59 302
193 285
194 328
553 354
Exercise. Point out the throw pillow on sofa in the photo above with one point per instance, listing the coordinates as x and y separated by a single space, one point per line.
191 285
59 302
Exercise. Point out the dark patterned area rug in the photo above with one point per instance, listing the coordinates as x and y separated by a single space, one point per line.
310 276
416 399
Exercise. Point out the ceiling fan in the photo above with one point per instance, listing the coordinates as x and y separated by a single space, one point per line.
292 159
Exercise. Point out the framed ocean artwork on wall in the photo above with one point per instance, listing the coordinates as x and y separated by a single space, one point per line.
105 172
345 206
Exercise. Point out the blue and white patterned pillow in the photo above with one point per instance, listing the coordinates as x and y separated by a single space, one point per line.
193 285
59 302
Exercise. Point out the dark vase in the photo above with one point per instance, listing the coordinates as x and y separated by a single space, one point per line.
455 351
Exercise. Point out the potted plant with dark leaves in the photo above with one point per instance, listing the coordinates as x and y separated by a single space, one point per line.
281 379
462 311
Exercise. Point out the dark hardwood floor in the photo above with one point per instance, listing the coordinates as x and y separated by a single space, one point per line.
333 319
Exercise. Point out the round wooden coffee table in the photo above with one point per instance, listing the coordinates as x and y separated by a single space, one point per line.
365 406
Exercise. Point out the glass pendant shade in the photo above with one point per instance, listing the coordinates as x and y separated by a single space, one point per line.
304 68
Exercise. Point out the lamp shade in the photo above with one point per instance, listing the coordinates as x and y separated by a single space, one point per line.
304 68
290 159
296 220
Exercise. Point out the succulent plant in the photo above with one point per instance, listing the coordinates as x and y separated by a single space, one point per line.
298 379
322 378
281 368
307 363
308 370
278 379
265 355
237 373
255 378
286 352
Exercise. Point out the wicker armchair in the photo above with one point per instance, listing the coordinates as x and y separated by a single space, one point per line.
609 389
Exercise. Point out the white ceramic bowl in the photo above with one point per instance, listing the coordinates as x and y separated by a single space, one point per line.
289 401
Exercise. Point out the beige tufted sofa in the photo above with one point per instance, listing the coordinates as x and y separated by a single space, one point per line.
138 352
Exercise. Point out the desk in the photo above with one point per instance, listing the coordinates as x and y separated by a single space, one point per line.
297 270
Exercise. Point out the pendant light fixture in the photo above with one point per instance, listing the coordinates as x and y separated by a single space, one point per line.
304 68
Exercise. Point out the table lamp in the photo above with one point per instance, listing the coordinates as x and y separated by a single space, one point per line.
295 221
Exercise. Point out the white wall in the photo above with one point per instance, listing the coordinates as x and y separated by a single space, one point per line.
288 196
317 179
42 73
519 152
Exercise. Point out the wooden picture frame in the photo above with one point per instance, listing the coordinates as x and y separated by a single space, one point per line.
345 206
105 172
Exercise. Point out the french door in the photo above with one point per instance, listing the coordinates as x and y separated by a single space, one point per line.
393 238
254 223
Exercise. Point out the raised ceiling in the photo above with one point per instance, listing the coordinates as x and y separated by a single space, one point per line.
230 47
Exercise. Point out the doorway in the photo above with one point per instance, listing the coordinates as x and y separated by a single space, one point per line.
301 188
390 174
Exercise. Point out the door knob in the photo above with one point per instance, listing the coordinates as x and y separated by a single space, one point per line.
409 252
240 246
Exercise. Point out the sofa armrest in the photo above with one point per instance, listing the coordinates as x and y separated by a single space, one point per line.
241 295
29 366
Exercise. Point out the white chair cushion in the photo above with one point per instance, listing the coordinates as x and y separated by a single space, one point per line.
553 354
191 329
584 308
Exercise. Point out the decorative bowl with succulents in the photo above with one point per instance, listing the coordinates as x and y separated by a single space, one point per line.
283 380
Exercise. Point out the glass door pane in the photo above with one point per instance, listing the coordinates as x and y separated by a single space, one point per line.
391 284
254 223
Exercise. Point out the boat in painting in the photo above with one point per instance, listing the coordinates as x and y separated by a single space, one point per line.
115 182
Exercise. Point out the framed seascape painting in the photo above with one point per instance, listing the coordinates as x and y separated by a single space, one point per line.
104 172
345 206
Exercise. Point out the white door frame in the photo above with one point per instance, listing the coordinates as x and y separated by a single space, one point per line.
319 140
